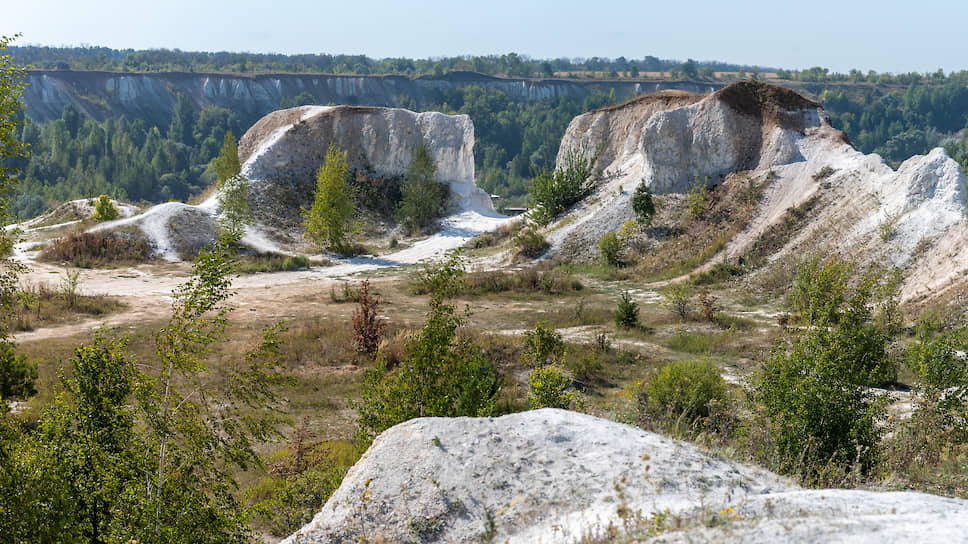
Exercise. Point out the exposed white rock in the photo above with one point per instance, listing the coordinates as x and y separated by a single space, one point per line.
553 476
292 144
913 218
281 154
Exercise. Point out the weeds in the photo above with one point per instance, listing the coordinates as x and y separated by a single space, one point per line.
98 249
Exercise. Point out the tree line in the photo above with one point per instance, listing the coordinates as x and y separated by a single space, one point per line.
175 60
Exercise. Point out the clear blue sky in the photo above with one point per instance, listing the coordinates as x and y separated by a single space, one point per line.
886 35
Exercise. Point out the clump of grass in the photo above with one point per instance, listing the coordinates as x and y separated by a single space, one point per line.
823 173
98 249
275 262
40 305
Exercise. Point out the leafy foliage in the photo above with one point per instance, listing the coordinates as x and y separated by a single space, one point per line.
550 387
529 242
542 346
553 191
227 162
697 199
813 387
442 374
423 197
684 391
104 210
329 220
610 248
17 374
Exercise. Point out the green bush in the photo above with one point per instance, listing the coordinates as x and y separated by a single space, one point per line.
550 387
530 243
17 374
542 346
104 210
610 248
551 192
683 391
442 373
627 314
814 386
698 197
679 300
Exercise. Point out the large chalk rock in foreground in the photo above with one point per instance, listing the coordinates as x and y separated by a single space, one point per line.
552 476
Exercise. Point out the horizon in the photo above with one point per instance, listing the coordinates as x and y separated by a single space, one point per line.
884 40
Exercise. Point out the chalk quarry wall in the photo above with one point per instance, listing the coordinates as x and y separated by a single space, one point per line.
152 96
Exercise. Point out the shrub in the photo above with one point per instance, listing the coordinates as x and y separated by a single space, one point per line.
679 300
698 196
104 210
682 391
938 361
553 191
627 314
542 346
17 374
87 249
368 326
442 373
823 173
643 204
550 387
530 243
813 386
610 248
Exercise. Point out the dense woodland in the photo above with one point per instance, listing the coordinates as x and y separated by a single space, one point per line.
73 157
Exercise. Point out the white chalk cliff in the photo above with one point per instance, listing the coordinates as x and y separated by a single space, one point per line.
913 217
554 476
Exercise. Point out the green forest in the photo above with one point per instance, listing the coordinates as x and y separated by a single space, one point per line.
132 159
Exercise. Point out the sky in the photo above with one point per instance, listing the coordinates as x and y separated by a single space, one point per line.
886 36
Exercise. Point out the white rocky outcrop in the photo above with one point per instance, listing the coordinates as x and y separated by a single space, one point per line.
288 146
913 218
553 476
281 154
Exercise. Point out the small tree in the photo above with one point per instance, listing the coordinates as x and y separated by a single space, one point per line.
643 204
679 300
442 373
423 197
104 210
227 162
329 220
367 324
627 314
551 192
814 386
698 197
